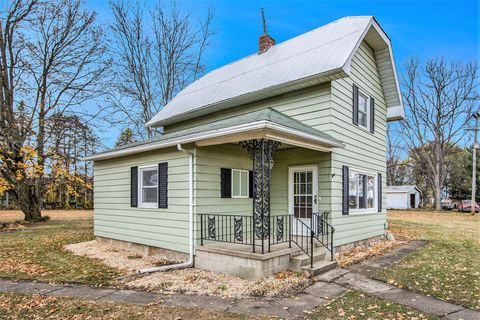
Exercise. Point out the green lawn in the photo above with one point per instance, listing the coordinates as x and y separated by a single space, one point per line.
37 253
16 306
448 267
358 306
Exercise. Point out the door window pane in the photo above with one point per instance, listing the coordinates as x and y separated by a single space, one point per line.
303 194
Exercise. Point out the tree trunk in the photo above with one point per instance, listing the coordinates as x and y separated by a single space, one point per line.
28 201
437 188
40 151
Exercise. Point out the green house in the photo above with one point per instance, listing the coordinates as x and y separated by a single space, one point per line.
275 161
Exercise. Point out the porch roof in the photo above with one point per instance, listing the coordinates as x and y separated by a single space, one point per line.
266 123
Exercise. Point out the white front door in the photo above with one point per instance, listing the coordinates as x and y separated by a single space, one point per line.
303 194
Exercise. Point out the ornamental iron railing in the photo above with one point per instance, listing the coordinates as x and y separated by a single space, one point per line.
241 229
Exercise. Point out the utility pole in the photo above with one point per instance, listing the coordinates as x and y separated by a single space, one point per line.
474 160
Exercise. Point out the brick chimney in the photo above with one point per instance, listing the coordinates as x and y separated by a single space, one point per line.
264 43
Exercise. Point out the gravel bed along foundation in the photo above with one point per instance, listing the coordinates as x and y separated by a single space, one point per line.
190 280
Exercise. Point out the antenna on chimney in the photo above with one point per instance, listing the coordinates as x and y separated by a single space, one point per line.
264 41
264 22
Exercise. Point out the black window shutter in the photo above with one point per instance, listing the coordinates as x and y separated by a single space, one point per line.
379 188
250 184
355 104
372 115
163 185
226 183
345 187
134 187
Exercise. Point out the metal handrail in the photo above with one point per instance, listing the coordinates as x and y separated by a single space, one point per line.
305 245
240 229
323 231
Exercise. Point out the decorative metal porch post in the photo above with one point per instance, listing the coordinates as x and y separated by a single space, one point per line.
261 152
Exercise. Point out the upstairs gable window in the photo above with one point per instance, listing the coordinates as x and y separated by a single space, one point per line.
363 110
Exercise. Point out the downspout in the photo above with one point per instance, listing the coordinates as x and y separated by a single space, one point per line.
189 263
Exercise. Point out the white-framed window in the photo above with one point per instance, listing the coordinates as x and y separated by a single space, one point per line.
362 192
240 183
148 187
363 111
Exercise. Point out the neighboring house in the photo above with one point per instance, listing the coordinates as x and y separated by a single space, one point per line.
283 148
403 197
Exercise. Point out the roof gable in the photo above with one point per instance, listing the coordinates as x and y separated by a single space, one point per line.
320 55
402 189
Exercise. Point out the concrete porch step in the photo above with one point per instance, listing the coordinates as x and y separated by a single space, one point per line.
320 267
301 260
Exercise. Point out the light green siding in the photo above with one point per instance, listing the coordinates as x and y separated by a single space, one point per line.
326 107
311 106
363 150
208 162
116 219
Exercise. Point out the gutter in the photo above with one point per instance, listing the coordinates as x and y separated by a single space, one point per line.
189 263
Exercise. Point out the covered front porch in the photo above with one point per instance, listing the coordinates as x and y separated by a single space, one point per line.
287 211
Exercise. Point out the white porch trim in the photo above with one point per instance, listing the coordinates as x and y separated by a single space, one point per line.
253 130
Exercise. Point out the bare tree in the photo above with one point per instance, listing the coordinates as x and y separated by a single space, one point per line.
394 151
53 58
156 56
440 98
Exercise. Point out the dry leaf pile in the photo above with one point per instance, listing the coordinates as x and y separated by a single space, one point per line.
361 253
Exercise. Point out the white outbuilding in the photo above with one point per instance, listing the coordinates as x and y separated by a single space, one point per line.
403 197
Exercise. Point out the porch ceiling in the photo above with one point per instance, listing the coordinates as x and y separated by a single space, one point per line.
271 131
266 123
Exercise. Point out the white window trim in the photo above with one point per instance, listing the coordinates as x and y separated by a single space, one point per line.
363 93
291 172
375 195
248 184
142 204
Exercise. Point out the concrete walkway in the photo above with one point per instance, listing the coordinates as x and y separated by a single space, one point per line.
328 286
358 277
288 308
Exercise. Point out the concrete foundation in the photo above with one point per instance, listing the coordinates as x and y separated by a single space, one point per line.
143 249
238 260
350 246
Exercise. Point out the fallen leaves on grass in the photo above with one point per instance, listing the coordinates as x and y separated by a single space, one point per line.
284 283
447 267
19 307
14 215
11 227
11 265
358 306
360 253
39 255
